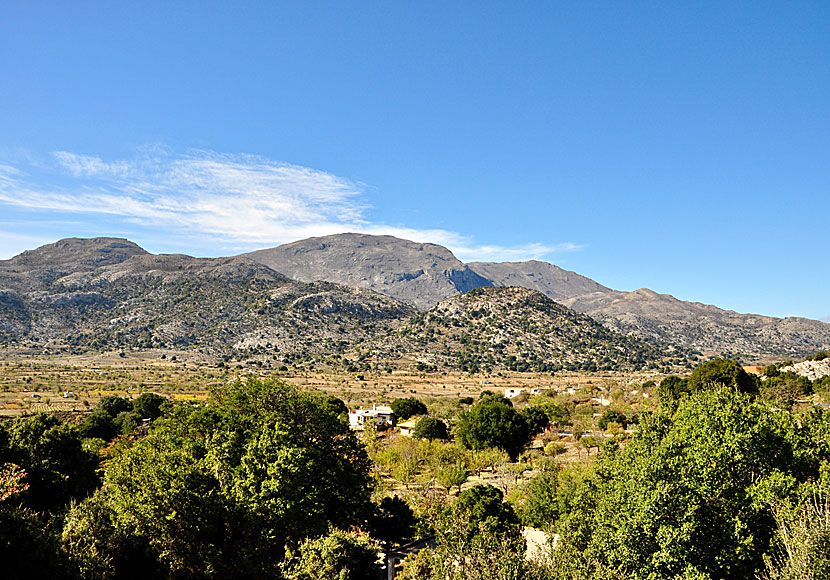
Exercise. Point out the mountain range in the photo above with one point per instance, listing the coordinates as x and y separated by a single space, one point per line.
424 274
348 298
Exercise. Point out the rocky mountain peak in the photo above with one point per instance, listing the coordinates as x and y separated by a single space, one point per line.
417 273
78 253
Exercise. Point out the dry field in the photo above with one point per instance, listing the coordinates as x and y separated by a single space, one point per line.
30 384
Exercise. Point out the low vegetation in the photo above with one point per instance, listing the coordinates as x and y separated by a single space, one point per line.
708 476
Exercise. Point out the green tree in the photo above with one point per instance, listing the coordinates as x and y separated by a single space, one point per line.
670 390
483 509
338 556
58 468
150 406
804 532
785 388
491 423
408 407
113 405
393 521
726 372
541 508
609 416
99 424
430 428
452 475
219 490
536 418
30 546
689 495
479 538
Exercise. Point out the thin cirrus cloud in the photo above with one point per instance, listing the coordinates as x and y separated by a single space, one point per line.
230 200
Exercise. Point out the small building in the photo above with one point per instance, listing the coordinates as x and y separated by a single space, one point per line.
513 392
407 427
380 415
538 391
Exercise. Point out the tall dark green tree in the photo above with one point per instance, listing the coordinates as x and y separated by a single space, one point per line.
407 407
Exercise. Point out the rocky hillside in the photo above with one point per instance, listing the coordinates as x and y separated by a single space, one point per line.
552 281
424 274
702 326
418 274
106 293
515 329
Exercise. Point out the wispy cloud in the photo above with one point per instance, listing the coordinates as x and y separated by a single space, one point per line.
236 200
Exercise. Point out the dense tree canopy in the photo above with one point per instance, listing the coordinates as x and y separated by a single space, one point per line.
221 490
690 495
430 428
726 372
408 407
493 422
58 468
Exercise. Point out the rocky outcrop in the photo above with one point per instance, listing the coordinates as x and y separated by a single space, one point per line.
811 369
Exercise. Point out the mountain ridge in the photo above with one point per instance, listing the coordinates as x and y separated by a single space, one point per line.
645 312
94 274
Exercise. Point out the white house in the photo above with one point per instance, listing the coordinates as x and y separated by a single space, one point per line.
510 393
380 415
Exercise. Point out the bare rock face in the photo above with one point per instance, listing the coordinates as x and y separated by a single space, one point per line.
415 273
811 369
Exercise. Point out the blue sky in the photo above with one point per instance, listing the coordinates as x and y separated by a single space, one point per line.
682 147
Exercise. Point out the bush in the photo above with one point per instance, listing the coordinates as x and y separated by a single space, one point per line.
338 556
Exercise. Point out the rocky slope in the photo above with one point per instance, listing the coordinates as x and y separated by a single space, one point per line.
552 281
702 326
424 274
811 369
106 293
515 329
418 274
